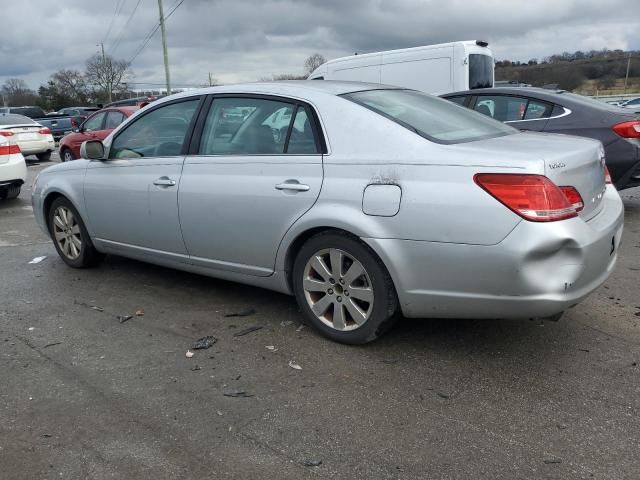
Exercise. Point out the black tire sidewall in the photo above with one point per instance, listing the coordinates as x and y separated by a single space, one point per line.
87 250
63 154
385 300
44 157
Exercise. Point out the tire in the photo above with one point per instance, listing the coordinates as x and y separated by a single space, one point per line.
65 223
44 157
11 192
365 316
66 155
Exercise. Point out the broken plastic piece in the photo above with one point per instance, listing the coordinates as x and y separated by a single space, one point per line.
294 365
189 354
124 318
242 313
203 343
37 260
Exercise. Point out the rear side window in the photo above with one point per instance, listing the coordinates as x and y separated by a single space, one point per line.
501 107
159 133
433 118
537 109
113 120
257 126
458 100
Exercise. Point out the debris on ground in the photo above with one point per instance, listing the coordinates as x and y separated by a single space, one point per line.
219 413
236 394
189 354
246 330
294 365
549 461
31 329
242 313
271 347
140 313
204 343
285 323
443 395
37 260
124 318
97 309
195 368
299 329
52 344
316 462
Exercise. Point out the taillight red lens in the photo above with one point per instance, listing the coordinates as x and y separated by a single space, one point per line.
533 197
7 134
44 131
574 197
9 149
628 129
607 176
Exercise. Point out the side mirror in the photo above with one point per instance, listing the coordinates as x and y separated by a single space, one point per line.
92 150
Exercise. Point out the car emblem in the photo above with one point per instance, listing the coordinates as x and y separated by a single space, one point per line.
553 166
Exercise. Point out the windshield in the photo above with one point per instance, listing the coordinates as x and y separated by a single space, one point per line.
435 119
14 119
480 71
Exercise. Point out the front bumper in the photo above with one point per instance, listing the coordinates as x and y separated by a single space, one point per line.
538 270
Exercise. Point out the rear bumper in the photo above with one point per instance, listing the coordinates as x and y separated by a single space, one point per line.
538 270
13 172
38 146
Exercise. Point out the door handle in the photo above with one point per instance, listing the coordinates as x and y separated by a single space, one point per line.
164 182
296 187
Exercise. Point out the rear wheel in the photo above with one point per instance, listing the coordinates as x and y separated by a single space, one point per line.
67 155
343 289
44 157
70 236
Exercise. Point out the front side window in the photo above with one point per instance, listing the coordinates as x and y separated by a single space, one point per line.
246 126
480 71
95 122
433 118
159 133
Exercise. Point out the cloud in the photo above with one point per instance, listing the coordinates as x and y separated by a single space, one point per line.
244 40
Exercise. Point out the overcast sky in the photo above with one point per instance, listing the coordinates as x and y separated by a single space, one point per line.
244 40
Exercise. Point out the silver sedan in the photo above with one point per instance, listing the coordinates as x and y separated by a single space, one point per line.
365 202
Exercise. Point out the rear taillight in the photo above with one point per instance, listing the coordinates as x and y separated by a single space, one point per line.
7 134
9 149
44 131
607 176
574 197
533 197
628 129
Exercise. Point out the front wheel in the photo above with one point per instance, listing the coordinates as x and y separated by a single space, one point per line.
67 155
70 236
343 289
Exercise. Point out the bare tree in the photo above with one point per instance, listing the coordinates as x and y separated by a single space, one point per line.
71 84
107 74
15 92
313 62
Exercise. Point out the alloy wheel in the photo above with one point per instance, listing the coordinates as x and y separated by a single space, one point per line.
67 156
338 289
66 231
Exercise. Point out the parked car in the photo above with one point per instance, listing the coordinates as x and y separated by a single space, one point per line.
31 136
13 169
79 114
31 112
96 127
558 111
134 102
384 201
633 104
57 124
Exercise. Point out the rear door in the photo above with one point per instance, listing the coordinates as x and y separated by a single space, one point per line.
249 179
132 197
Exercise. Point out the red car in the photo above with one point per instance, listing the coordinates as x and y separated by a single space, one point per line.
96 127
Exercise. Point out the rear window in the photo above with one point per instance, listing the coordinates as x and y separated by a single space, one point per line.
13 119
480 71
433 118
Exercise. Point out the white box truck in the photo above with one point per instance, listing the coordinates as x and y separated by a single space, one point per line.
435 69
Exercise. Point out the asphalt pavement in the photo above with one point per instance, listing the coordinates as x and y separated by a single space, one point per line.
86 396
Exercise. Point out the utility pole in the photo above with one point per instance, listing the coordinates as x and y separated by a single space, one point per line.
626 78
164 47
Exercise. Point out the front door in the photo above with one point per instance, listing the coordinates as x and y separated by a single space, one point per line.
258 168
132 197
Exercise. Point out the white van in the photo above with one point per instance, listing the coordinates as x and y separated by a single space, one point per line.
435 69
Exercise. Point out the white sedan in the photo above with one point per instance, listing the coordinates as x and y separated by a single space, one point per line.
13 169
31 137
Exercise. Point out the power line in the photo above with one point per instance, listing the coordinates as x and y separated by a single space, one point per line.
116 43
150 35
119 3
